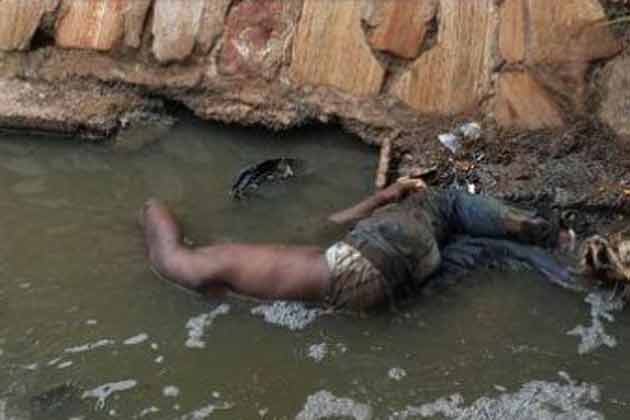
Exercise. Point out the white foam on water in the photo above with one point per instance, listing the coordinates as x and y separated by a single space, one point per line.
65 364
32 366
324 405
594 336
397 373
3 410
170 391
291 315
136 339
148 410
54 361
101 393
90 346
318 352
197 326
207 411
538 400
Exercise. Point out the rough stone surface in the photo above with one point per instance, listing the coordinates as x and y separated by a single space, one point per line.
176 25
91 24
557 41
400 27
565 32
541 31
463 58
615 106
212 24
330 49
135 18
19 20
523 103
72 107
256 37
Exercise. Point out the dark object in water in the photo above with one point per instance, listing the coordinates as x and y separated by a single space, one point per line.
59 400
254 176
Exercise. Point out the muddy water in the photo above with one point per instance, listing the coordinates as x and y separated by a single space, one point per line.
87 331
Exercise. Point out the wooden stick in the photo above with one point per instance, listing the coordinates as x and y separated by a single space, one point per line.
383 163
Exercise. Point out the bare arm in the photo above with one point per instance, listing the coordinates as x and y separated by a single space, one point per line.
365 208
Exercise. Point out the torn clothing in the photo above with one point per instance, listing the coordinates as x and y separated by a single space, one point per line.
354 282
402 242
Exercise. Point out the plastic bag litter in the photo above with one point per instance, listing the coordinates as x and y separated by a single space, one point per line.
453 140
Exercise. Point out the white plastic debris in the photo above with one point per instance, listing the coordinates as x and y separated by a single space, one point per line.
453 140
469 131
450 141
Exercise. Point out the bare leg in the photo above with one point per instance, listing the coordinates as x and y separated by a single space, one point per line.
261 271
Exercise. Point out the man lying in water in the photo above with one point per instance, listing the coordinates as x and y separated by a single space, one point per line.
395 242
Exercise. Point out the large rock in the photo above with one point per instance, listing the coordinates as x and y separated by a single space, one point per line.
615 106
91 24
212 24
19 20
176 25
543 31
556 41
135 18
72 107
522 102
330 49
454 76
400 27
255 37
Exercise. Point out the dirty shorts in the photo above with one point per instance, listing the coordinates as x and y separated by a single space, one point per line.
354 282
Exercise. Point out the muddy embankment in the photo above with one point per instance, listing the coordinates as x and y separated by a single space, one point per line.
548 80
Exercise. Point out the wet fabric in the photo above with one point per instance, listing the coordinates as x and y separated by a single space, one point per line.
354 282
466 253
404 241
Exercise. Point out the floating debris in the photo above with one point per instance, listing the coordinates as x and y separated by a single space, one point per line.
538 400
324 405
104 391
254 176
594 336
136 339
450 141
396 374
453 140
291 315
90 346
196 326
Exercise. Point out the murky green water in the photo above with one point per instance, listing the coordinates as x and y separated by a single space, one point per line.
79 306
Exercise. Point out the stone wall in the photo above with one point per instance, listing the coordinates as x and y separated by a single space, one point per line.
376 64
